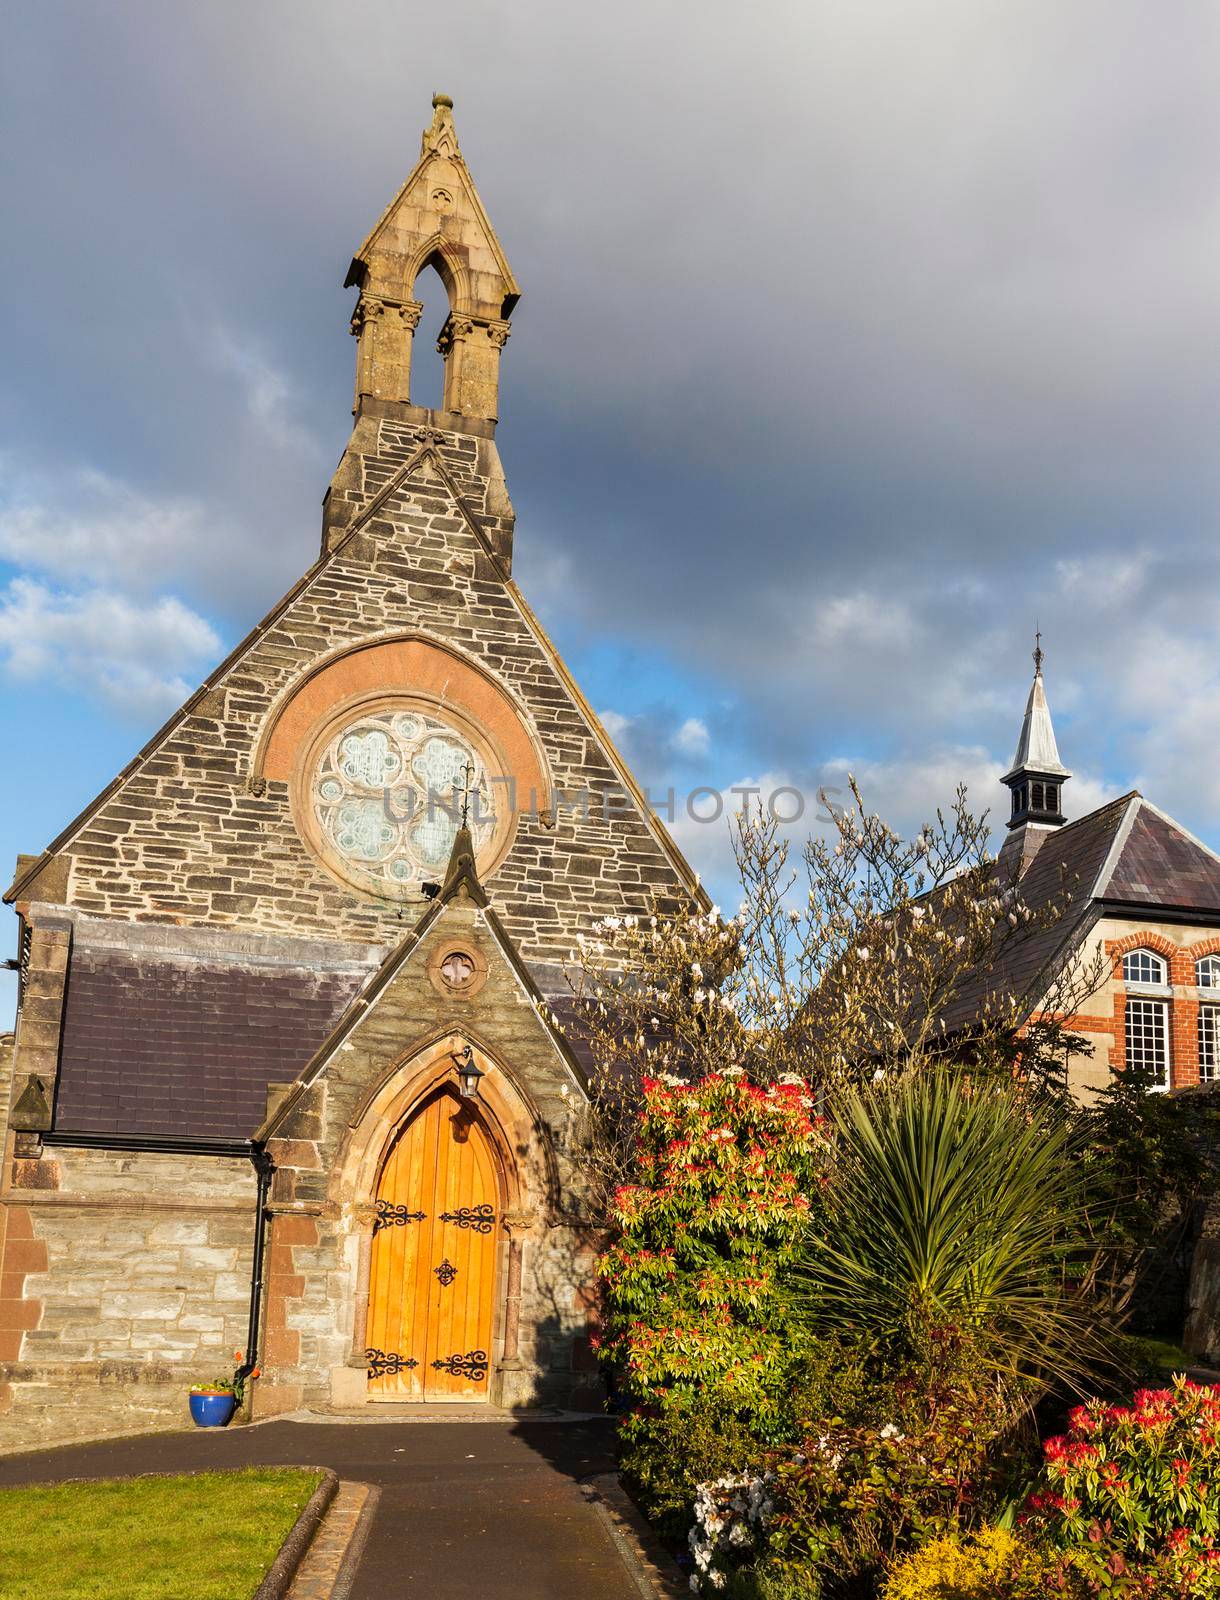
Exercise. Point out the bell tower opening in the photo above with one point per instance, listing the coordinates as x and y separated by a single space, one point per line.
428 365
428 353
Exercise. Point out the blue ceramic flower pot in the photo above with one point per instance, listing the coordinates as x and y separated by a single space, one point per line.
212 1410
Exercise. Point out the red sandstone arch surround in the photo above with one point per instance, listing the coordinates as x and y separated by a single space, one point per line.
410 664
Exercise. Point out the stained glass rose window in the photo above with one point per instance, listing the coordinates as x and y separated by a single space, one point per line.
387 794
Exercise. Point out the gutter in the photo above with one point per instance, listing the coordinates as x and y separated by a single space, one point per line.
251 1150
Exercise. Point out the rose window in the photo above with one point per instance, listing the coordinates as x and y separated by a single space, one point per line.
388 792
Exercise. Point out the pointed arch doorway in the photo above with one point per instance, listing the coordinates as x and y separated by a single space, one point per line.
432 1271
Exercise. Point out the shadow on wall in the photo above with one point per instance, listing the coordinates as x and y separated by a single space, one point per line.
562 1318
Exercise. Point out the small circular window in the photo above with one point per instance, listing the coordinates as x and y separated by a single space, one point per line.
457 969
385 793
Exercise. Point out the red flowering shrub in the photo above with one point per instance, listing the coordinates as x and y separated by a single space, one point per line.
1133 1493
724 1173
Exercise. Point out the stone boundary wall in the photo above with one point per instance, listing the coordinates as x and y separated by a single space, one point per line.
124 1278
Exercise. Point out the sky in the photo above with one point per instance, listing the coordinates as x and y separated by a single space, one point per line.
856 341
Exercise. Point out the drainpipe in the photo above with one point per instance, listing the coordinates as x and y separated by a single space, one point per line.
263 1166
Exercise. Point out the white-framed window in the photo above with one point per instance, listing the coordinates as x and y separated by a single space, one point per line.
1146 969
1207 972
1148 1039
1209 1044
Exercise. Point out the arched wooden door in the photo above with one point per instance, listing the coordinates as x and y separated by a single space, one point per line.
433 1268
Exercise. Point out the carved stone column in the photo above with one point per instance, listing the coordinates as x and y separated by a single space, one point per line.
386 330
516 1224
471 347
364 1219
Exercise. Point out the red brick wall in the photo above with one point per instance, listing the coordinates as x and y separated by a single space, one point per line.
1183 1008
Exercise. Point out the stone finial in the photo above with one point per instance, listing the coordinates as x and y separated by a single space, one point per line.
442 135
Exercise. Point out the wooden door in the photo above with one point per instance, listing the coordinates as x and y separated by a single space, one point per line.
433 1268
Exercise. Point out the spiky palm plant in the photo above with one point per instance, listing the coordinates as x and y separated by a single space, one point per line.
952 1206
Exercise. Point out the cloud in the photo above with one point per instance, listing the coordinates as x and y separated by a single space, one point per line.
103 644
91 526
615 723
962 381
864 619
270 400
692 738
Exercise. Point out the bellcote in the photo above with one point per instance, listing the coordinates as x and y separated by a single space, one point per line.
435 220
1037 776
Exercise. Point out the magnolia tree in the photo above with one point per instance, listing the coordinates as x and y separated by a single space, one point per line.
865 955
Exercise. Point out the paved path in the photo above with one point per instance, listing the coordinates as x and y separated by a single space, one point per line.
491 1510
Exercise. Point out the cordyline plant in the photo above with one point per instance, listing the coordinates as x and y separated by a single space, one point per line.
955 1205
872 955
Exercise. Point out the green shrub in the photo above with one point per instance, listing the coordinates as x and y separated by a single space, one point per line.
1130 1493
683 1445
927 1449
693 1322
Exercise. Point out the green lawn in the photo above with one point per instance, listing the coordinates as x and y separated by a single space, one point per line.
210 1536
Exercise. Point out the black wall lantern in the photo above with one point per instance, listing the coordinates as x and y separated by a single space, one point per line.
469 1075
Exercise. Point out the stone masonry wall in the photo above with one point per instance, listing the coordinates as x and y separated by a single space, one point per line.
184 839
315 1325
128 1278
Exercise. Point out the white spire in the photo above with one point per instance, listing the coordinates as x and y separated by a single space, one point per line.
1036 748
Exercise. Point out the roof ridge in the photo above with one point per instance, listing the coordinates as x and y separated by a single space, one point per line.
1122 833
1119 800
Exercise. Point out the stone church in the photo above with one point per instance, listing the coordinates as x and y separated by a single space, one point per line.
286 1076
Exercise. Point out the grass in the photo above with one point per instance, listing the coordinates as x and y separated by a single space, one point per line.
208 1536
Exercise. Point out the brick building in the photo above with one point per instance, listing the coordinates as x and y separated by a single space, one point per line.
1144 892
1145 897
285 1067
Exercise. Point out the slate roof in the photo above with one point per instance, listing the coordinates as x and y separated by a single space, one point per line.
1160 864
1124 856
157 1045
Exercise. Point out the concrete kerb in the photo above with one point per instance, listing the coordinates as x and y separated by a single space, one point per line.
650 1565
381 1415
284 1568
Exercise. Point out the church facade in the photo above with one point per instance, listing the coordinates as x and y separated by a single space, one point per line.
287 1077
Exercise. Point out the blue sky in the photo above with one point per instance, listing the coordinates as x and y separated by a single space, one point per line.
854 342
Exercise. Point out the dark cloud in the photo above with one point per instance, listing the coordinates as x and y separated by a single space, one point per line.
854 339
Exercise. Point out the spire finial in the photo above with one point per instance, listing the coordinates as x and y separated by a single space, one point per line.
1039 657
441 137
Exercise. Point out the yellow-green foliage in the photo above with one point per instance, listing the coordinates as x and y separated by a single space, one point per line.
990 1565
